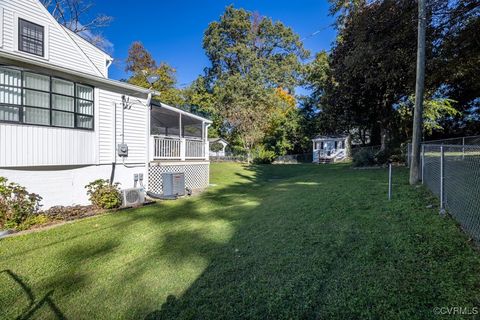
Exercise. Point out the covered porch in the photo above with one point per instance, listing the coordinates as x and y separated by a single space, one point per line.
328 149
177 135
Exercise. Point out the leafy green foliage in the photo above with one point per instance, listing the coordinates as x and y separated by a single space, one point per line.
141 65
364 158
103 194
216 146
16 204
251 58
263 156
435 110
33 220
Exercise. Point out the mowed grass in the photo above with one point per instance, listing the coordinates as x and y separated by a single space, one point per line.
278 242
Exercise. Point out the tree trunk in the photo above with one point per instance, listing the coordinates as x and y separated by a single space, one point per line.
348 147
419 89
383 138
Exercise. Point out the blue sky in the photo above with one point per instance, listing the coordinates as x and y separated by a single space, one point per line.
173 30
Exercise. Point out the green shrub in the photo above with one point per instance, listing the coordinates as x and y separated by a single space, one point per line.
33 220
16 204
382 157
216 146
263 156
104 195
364 158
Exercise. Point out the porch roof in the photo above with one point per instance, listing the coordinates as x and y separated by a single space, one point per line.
331 137
183 112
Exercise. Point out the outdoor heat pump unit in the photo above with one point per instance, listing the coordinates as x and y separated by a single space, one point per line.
133 197
173 184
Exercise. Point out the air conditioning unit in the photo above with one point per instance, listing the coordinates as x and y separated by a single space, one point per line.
133 197
173 184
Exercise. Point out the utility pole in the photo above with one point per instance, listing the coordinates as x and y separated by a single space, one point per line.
419 89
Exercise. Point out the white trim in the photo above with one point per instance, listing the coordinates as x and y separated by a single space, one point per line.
74 35
55 22
191 115
46 37
80 74
1 27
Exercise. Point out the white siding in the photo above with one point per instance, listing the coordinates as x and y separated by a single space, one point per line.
26 145
60 48
109 135
96 56
66 186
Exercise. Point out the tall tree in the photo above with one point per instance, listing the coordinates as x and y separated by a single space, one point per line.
370 69
251 56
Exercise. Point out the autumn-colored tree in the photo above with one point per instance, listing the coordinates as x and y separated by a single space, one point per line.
141 64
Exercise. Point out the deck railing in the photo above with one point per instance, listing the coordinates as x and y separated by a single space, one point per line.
179 148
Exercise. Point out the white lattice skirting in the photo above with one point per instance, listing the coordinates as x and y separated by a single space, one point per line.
196 175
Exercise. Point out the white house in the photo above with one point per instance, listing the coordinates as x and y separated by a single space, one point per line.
327 149
64 123
220 153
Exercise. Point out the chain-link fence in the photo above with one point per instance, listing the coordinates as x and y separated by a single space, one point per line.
295 158
452 173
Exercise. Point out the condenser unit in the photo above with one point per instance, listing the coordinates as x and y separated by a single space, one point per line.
133 197
173 184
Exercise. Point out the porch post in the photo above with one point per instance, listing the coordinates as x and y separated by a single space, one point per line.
205 141
183 145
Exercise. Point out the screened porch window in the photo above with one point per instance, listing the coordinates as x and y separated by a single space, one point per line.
166 122
32 98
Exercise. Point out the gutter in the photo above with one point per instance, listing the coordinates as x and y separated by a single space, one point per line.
92 79
191 115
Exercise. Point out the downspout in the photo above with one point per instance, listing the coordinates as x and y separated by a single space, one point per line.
147 134
112 173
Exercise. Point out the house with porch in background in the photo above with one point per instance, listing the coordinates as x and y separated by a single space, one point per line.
64 123
328 149
218 153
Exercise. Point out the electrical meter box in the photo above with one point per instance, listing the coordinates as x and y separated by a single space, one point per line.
122 150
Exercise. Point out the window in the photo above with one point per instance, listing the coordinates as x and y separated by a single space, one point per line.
32 98
31 37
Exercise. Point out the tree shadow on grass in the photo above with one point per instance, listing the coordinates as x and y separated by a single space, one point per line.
34 304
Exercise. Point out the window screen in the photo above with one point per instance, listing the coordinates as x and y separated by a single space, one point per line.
191 127
31 37
165 122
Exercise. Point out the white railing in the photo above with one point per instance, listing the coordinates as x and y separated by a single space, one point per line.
179 148
194 149
166 148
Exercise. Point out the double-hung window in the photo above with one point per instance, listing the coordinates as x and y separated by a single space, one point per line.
32 98
31 37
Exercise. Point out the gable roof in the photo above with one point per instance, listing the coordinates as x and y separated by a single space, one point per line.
67 36
217 140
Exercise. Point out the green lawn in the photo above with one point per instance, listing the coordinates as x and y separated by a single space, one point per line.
280 241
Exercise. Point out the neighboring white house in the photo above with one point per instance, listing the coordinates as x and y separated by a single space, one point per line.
220 153
62 120
328 149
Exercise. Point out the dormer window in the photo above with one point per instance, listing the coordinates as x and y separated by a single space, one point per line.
31 37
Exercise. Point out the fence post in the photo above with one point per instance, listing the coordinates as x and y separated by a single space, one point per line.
423 162
442 178
389 180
